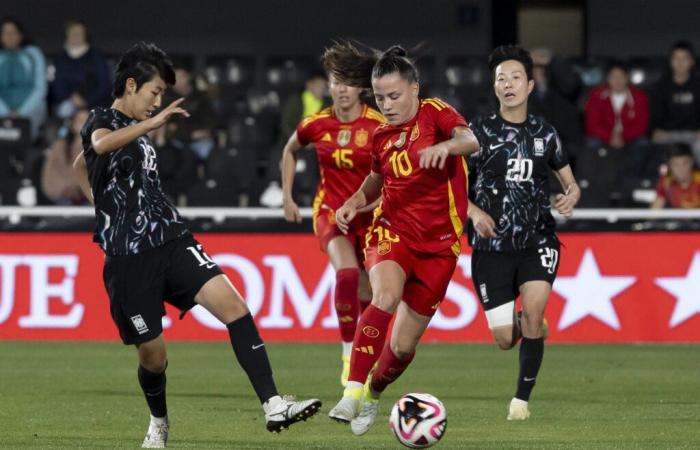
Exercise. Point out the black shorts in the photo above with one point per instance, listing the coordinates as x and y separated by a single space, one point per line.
497 276
138 285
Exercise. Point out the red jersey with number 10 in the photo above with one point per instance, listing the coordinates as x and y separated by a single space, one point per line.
425 207
344 152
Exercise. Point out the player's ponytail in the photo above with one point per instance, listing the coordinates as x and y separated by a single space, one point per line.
395 60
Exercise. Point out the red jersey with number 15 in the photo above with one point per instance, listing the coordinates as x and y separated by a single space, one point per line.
344 152
426 207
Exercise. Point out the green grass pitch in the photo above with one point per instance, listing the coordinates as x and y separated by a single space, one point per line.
85 395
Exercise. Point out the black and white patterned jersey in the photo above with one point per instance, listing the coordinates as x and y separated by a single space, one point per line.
510 180
133 213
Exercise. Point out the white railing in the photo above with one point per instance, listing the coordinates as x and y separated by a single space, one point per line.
220 214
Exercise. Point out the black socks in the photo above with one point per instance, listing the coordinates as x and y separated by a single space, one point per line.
153 385
531 353
252 356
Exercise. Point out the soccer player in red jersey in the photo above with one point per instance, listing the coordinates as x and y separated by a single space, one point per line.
341 135
411 251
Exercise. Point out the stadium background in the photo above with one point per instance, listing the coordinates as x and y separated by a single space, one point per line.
274 44
627 275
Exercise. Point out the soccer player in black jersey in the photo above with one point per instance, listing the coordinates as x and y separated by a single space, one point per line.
151 257
516 250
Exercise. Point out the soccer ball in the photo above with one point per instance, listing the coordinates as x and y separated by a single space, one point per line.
418 420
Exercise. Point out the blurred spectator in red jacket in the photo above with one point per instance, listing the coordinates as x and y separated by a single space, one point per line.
617 113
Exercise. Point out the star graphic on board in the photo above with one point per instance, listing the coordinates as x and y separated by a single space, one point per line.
589 293
686 290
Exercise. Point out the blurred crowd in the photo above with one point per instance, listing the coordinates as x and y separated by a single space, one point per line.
631 128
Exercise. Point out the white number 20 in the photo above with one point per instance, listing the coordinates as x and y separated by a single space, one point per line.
519 169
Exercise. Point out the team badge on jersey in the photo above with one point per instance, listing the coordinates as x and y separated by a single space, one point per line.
539 146
415 133
401 140
383 247
361 137
344 137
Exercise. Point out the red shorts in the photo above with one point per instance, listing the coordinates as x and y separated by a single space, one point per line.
326 230
427 274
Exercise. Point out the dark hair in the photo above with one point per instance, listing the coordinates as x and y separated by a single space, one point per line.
507 53
682 45
25 39
355 66
679 149
615 64
142 62
395 59
76 22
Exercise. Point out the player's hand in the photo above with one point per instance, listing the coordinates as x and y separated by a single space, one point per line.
343 217
291 211
483 223
162 117
434 156
564 203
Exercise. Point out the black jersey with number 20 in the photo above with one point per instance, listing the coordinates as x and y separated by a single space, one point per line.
510 180
133 213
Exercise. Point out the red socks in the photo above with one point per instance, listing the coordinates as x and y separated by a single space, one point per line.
390 368
369 339
346 303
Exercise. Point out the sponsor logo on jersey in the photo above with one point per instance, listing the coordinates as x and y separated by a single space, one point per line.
415 133
401 140
370 331
383 247
539 146
361 137
139 324
344 137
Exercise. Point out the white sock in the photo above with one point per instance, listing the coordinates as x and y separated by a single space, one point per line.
271 403
159 420
518 401
347 348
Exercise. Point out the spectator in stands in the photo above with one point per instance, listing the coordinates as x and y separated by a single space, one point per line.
58 179
617 157
680 187
194 133
22 76
82 79
675 107
311 100
616 113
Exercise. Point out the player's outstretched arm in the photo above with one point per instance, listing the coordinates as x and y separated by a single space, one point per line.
462 143
368 193
565 203
105 140
289 168
80 167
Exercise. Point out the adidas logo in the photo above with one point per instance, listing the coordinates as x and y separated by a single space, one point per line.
369 350
326 137
346 319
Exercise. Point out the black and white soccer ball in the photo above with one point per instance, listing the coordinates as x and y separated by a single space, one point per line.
418 420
